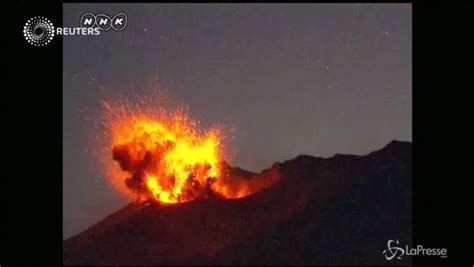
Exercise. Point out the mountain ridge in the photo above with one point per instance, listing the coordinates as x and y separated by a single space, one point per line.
218 231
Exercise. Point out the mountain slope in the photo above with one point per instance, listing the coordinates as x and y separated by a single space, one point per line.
338 210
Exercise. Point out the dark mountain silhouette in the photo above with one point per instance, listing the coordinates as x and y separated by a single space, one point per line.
340 210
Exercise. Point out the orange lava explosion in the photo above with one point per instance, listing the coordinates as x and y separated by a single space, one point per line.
161 155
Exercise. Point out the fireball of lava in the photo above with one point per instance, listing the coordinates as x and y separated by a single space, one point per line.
154 153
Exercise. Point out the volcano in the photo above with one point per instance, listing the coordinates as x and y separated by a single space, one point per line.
339 210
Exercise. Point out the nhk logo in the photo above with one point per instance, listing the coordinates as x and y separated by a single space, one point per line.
118 22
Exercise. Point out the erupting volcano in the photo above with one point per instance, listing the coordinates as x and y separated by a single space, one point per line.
164 155
300 211
337 210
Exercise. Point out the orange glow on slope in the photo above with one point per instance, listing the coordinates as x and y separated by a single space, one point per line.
154 153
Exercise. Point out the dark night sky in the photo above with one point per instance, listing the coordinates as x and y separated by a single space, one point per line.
314 79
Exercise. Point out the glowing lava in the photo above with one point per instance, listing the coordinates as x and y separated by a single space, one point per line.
160 154
150 152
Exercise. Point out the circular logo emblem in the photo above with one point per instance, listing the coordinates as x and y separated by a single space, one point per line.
38 31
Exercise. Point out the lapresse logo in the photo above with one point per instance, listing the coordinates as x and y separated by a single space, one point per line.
397 252
40 31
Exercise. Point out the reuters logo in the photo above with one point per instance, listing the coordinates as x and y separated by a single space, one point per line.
38 31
